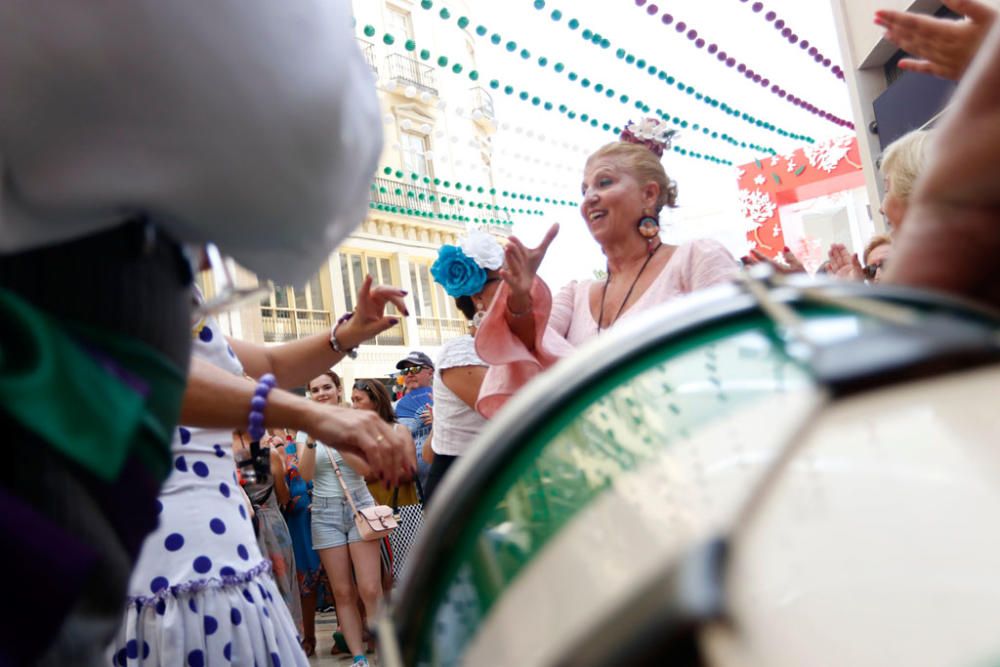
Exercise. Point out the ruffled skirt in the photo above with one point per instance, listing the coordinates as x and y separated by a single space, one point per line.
240 620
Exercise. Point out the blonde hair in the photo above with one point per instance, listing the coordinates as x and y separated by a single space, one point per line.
903 160
643 165
874 242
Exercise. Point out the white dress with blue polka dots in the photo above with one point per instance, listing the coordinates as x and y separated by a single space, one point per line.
201 592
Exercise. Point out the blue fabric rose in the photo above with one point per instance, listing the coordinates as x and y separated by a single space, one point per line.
457 272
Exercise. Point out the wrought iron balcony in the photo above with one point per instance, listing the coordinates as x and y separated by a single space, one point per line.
411 196
410 72
482 102
368 51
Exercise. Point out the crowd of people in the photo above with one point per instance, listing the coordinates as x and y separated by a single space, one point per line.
206 543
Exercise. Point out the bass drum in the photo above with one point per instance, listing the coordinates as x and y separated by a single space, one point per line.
705 485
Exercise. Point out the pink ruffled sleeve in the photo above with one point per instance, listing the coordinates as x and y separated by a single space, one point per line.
708 264
511 363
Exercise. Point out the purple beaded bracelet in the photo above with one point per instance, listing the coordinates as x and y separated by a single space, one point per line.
257 405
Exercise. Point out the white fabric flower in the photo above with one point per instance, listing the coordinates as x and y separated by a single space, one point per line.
759 179
483 249
649 128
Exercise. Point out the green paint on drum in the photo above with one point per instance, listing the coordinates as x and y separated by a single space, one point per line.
606 430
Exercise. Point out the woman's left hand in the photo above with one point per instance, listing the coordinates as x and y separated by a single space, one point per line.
369 319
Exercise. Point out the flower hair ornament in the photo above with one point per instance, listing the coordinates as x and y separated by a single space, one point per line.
461 269
654 134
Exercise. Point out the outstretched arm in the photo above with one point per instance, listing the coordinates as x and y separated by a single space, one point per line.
217 399
943 47
299 361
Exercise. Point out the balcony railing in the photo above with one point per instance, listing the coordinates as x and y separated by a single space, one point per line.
407 195
434 331
368 51
482 102
410 72
284 325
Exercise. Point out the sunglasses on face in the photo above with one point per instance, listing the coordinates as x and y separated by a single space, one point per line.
871 270
412 370
361 385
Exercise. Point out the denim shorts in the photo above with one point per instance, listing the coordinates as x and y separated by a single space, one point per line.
333 520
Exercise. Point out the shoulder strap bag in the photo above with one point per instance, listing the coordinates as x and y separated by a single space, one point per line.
373 523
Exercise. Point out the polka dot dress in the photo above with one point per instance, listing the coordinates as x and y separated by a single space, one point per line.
201 593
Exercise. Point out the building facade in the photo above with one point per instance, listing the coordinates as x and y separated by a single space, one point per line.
435 179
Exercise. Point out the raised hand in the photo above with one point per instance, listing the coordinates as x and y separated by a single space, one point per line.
943 47
844 264
951 238
369 317
521 263
791 263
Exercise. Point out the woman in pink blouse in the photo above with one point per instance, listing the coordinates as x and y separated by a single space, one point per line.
624 189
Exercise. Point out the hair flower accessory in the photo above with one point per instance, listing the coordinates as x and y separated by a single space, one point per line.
461 269
654 134
483 249
457 272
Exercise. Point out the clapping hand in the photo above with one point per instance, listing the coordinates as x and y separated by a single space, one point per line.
950 240
521 263
369 319
943 47
845 265
791 263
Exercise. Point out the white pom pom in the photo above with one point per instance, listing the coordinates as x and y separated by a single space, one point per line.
425 97
410 91
477 114
390 85
425 128
406 124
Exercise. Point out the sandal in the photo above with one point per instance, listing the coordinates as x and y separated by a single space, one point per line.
309 646
339 644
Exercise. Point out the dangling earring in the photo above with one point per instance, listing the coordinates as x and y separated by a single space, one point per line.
478 318
649 228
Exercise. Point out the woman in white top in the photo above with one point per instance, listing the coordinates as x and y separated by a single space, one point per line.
470 273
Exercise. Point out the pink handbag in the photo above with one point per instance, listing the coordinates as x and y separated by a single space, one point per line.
373 523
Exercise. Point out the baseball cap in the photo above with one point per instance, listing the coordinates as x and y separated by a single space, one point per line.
415 358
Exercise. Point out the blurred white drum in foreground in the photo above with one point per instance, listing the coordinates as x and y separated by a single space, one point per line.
790 476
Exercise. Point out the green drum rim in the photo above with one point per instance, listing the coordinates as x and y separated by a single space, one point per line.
556 401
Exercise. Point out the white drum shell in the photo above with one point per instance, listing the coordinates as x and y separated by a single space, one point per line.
880 544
